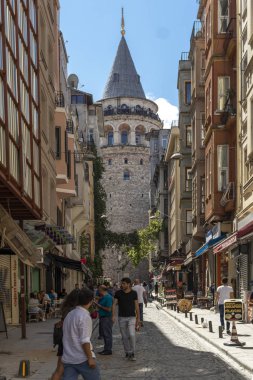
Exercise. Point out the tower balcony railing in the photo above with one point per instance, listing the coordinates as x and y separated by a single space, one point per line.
126 110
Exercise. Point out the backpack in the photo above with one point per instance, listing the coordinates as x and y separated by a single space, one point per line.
58 333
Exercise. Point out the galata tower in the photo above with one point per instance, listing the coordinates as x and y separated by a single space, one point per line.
128 116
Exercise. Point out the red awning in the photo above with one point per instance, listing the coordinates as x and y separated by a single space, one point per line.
245 230
226 243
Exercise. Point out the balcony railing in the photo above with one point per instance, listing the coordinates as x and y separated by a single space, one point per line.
197 30
230 33
59 99
184 56
70 126
229 194
125 110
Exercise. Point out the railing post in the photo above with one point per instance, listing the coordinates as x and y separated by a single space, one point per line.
196 319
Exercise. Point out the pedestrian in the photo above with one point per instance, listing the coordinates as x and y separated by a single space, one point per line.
68 304
128 316
141 295
156 290
105 318
145 296
223 293
78 356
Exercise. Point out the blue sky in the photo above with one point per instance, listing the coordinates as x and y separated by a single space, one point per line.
157 31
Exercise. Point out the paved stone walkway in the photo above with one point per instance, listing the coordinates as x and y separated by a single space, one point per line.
165 350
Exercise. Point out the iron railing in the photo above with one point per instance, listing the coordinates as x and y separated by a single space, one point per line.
126 110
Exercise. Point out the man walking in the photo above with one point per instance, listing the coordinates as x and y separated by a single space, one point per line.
128 316
224 292
105 319
78 356
140 294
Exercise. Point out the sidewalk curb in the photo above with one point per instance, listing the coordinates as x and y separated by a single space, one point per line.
245 366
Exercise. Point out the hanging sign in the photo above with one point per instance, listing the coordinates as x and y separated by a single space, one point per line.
233 310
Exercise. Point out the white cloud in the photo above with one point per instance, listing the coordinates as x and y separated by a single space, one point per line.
166 111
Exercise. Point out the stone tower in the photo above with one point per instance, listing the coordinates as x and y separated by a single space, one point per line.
128 116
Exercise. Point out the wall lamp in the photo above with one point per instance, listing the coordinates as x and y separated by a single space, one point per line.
176 156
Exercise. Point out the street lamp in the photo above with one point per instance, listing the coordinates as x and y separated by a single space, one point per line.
177 156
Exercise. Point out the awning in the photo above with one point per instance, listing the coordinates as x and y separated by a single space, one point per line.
208 245
245 230
65 262
16 239
175 265
226 243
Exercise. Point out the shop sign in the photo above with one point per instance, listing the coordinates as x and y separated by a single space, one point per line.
233 310
216 231
209 236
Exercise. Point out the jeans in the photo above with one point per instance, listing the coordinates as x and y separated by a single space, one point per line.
141 311
71 372
127 329
221 310
106 332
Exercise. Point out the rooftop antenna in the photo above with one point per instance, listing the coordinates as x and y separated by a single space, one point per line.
122 23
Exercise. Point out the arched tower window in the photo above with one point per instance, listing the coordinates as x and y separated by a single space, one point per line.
126 175
125 161
110 138
124 137
141 161
139 134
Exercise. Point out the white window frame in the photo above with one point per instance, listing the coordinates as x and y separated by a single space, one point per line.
223 86
223 20
222 166
188 224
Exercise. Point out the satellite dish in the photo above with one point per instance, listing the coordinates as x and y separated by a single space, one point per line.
73 81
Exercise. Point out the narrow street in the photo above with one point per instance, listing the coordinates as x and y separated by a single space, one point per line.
165 350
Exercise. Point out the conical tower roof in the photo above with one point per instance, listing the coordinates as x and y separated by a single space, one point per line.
123 80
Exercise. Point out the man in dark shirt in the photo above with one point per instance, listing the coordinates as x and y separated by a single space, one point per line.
128 316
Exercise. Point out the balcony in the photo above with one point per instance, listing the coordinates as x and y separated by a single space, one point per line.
197 30
126 110
59 99
228 197
230 37
70 126
184 56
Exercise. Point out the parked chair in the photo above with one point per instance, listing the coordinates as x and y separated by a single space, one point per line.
33 316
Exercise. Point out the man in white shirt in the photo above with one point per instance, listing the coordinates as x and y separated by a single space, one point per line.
78 356
140 294
224 292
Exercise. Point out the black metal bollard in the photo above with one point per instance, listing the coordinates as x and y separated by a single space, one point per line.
177 309
186 314
210 326
196 319
190 315
171 307
202 320
220 332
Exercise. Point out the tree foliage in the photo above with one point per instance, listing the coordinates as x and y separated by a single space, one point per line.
147 241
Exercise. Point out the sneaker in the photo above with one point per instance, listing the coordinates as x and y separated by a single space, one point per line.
228 332
127 355
132 358
105 353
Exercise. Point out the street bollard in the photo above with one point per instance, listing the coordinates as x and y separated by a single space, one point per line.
220 332
177 309
196 319
190 315
186 314
24 368
202 320
171 307
210 326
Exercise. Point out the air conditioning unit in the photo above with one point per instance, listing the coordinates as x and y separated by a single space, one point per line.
40 251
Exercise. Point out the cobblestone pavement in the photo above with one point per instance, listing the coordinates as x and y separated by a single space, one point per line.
167 350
